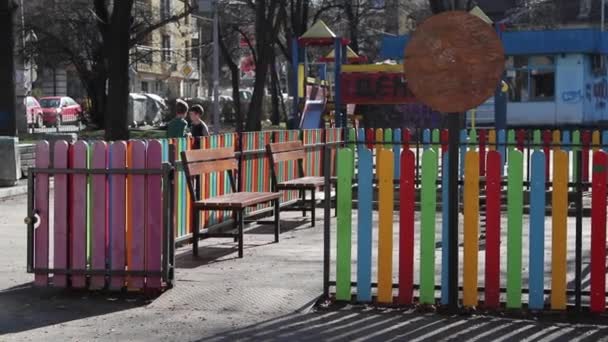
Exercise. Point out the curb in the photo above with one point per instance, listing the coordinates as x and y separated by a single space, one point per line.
18 190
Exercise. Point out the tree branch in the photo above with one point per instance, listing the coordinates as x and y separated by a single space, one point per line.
141 35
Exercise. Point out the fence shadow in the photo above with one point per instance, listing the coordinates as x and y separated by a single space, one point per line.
26 307
351 325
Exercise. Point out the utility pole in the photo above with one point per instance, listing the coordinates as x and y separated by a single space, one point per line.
8 119
216 70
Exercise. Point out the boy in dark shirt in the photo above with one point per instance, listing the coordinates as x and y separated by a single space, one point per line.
177 127
198 127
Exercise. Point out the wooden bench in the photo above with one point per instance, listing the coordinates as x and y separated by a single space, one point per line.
200 162
294 151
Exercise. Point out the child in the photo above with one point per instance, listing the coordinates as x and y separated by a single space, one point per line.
198 127
177 128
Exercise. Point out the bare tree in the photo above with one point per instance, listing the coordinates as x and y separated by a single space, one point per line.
98 39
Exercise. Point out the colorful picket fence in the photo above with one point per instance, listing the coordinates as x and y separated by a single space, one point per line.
524 260
108 215
109 212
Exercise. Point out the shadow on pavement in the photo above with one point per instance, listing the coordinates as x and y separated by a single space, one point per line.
226 249
350 325
26 307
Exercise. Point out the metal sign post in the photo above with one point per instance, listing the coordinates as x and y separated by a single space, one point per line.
453 63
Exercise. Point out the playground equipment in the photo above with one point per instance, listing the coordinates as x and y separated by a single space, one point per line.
319 35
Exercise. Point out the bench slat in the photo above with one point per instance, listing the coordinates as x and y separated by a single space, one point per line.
237 200
286 146
199 168
288 156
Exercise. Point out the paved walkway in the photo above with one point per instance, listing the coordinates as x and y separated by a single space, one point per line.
265 296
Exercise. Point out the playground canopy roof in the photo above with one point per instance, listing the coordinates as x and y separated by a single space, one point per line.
351 56
320 35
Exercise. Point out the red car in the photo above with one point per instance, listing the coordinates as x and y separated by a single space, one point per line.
33 112
58 110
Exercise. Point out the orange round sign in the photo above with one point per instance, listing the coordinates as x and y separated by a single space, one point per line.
454 62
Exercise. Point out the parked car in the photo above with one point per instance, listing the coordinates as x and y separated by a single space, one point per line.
57 110
33 112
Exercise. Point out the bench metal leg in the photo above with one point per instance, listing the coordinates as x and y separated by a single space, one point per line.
303 197
195 232
235 225
277 222
241 227
313 202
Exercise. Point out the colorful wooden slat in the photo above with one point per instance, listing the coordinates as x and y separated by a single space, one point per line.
471 228
547 137
473 140
514 229
586 142
445 138
537 231
492 140
364 223
559 207
129 210
99 214
138 215
426 138
428 205
502 149
435 140
118 154
566 141
370 136
493 194
384 171
344 203
556 140
61 210
407 198
521 139
464 139
78 213
41 207
482 151
379 138
511 140
397 152
89 206
154 215
445 230
387 138
595 141
407 136
598 232
536 139
605 140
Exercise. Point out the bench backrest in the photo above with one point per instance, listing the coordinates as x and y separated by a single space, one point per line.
199 162
293 150
283 152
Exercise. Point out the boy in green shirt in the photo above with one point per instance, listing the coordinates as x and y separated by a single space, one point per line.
177 127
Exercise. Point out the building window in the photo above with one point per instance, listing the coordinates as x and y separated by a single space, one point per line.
144 87
165 9
531 78
166 48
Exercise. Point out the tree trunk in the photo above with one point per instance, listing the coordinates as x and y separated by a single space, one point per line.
117 47
264 34
275 91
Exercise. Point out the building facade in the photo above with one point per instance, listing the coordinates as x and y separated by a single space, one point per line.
163 64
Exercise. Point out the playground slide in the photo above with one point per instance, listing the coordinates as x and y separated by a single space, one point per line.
312 115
